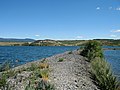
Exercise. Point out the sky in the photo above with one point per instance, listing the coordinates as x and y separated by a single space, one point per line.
60 19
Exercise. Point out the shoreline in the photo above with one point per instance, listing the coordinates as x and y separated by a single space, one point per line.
70 74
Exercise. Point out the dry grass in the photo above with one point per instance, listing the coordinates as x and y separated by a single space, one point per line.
43 65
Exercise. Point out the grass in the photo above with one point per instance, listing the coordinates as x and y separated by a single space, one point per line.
103 75
3 81
44 74
39 79
100 69
61 59
39 72
41 85
43 65
92 49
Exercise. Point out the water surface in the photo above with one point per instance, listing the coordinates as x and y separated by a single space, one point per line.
25 54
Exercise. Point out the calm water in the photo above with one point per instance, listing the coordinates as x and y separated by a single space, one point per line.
27 54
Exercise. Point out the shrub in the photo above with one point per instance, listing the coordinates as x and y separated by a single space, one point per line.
3 82
92 49
33 67
5 66
102 74
70 52
61 59
44 85
41 85
9 73
43 65
44 74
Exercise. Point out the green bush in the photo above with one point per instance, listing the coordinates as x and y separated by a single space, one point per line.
101 72
103 76
3 82
5 66
41 85
61 59
44 85
33 67
92 49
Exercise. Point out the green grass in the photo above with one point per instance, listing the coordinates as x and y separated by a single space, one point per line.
100 69
92 49
3 82
61 59
103 75
41 85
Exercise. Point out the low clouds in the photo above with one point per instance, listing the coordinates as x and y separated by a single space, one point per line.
118 9
113 36
79 37
114 8
98 8
109 8
37 35
116 31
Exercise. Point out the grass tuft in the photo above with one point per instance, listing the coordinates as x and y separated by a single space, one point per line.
43 65
61 59
101 72
103 76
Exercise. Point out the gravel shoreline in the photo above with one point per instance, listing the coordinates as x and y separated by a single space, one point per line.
70 74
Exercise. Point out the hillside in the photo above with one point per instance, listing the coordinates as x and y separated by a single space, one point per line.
16 40
49 42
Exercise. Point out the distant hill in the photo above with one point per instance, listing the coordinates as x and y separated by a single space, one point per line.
16 40
111 42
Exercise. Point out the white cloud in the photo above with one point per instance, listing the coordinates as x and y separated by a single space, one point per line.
79 37
113 36
116 31
37 35
118 9
98 8
27 37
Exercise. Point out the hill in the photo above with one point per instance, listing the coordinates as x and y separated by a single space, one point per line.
16 40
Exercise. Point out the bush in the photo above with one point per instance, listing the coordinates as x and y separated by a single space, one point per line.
101 71
33 67
5 66
43 65
41 85
44 74
2 82
102 75
92 49
61 59
70 52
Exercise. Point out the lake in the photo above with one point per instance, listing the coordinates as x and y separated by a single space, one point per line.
25 54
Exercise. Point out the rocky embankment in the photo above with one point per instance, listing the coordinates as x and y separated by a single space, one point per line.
70 74
67 71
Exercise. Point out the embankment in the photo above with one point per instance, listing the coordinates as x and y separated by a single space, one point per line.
67 71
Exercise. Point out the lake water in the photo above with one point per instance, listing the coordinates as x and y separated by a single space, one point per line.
27 54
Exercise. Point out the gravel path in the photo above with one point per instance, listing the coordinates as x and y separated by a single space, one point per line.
71 73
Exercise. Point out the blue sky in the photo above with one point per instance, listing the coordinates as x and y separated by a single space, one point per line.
60 19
